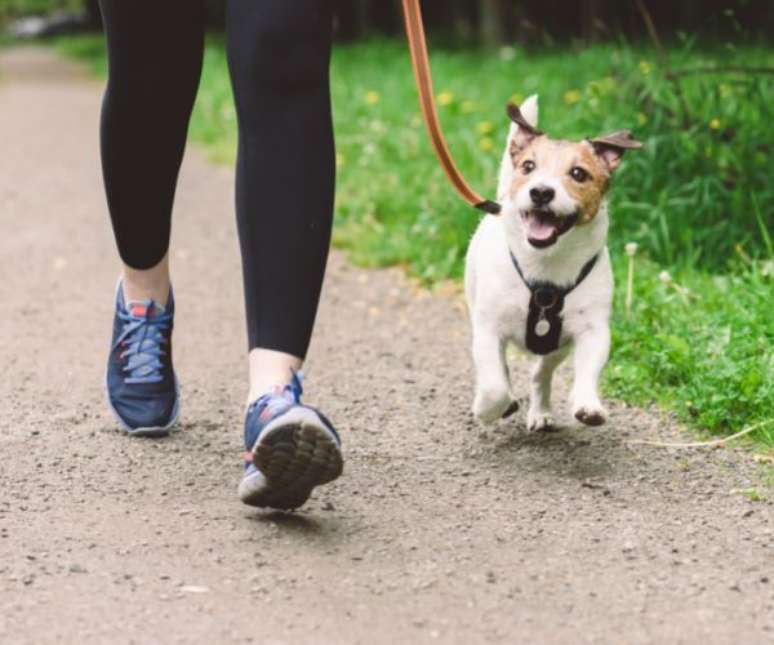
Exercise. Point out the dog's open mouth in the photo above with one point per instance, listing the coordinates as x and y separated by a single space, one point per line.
545 227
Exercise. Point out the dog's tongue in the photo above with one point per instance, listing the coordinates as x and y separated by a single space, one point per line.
539 229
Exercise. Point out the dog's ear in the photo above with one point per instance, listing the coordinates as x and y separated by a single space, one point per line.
518 139
610 147
524 130
529 110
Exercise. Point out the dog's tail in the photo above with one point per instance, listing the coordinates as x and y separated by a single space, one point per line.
529 109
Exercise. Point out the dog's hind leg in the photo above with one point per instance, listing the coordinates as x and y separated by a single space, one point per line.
592 350
539 416
493 390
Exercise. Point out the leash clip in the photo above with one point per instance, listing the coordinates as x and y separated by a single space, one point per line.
488 206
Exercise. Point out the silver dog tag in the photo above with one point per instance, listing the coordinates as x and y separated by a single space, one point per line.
542 327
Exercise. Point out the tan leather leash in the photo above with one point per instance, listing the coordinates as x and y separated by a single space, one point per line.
415 31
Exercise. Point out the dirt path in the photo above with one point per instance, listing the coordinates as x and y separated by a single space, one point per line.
438 532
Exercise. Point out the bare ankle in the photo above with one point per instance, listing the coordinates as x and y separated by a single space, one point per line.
269 369
147 284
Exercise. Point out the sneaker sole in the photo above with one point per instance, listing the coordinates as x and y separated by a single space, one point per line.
294 454
155 431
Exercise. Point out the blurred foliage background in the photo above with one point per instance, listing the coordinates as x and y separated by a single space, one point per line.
497 22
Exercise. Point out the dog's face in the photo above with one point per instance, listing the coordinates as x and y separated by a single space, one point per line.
557 185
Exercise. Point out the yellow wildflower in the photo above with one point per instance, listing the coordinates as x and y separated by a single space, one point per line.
715 124
602 86
486 144
445 97
572 96
645 67
485 127
372 97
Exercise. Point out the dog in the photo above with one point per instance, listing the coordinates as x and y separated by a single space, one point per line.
538 274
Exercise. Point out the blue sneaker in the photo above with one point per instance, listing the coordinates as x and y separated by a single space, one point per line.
291 448
142 389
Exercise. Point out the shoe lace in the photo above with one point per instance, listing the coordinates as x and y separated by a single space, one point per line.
142 338
294 388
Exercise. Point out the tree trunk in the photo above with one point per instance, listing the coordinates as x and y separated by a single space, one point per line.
590 17
350 19
384 16
93 15
492 23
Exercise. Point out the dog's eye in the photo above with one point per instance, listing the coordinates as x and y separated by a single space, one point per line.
579 174
528 166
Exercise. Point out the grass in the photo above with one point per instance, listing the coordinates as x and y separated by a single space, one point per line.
700 345
698 199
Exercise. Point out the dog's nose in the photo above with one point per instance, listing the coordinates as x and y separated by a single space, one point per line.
541 195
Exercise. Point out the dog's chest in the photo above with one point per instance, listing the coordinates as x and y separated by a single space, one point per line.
535 324
500 298
542 322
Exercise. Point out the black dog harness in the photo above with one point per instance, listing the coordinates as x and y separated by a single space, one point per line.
544 318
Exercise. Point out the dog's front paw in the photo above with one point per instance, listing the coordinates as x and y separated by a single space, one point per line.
489 406
540 421
591 415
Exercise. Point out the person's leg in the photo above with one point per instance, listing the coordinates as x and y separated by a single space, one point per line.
154 55
279 54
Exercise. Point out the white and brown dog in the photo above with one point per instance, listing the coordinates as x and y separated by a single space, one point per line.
539 273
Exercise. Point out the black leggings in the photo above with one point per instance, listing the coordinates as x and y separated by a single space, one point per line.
278 53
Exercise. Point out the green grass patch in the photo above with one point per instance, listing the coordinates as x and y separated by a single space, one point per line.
698 344
698 199
89 49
